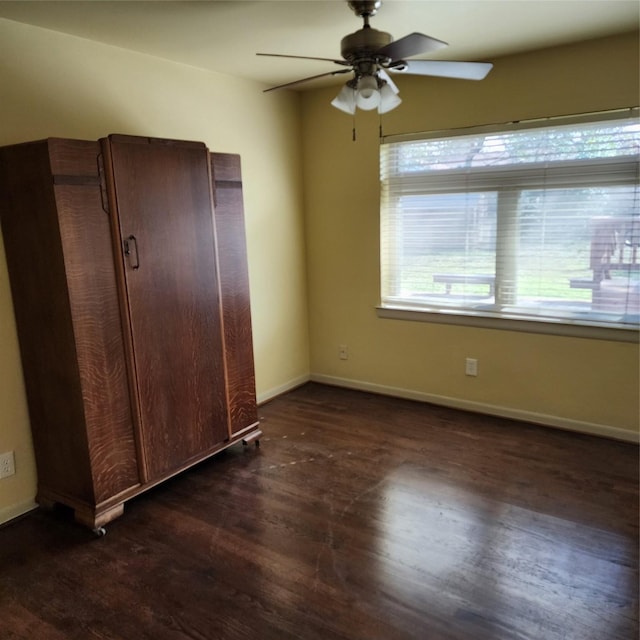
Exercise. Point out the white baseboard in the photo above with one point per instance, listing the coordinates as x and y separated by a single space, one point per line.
567 424
16 510
283 388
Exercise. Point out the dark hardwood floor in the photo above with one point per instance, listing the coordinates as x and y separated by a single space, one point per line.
360 517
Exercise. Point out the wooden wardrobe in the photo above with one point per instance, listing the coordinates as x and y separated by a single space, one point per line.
129 279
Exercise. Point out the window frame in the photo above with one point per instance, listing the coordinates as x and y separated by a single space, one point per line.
496 319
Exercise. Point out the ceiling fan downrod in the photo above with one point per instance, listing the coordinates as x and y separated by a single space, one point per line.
364 43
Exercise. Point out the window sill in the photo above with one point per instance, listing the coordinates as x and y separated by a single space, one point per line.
619 333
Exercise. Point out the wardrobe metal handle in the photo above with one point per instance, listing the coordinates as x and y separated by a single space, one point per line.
131 246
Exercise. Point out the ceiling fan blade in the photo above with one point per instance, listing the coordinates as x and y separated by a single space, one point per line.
320 75
444 69
412 45
387 78
282 55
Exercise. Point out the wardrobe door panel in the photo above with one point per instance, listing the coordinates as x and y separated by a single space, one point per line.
165 218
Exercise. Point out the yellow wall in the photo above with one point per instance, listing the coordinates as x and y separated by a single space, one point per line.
57 85
590 385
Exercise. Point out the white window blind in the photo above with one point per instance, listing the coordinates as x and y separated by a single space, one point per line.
539 223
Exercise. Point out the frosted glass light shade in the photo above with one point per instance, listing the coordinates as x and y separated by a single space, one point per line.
368 96
389 99
345 100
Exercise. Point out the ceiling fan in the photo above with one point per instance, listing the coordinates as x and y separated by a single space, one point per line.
369 54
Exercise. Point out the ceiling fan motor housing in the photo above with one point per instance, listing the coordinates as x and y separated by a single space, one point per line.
364 43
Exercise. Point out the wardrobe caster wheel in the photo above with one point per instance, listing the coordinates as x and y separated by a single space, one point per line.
100 532
253 437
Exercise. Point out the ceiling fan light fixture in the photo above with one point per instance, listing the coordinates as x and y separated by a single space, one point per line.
368 94
346 100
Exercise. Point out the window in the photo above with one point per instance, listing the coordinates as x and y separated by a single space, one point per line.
538 223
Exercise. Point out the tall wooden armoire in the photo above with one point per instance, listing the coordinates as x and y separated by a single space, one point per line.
129 279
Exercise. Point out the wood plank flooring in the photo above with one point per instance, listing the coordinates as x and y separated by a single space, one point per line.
360 517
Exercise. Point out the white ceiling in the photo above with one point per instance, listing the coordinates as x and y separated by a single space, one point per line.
225 36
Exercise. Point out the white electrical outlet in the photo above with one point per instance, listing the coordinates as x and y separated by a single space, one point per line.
471 367
7 464
343 352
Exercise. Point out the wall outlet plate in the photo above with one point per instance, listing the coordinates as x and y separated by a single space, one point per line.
471 367
7 464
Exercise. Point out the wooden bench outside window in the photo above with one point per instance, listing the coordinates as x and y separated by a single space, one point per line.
449 279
